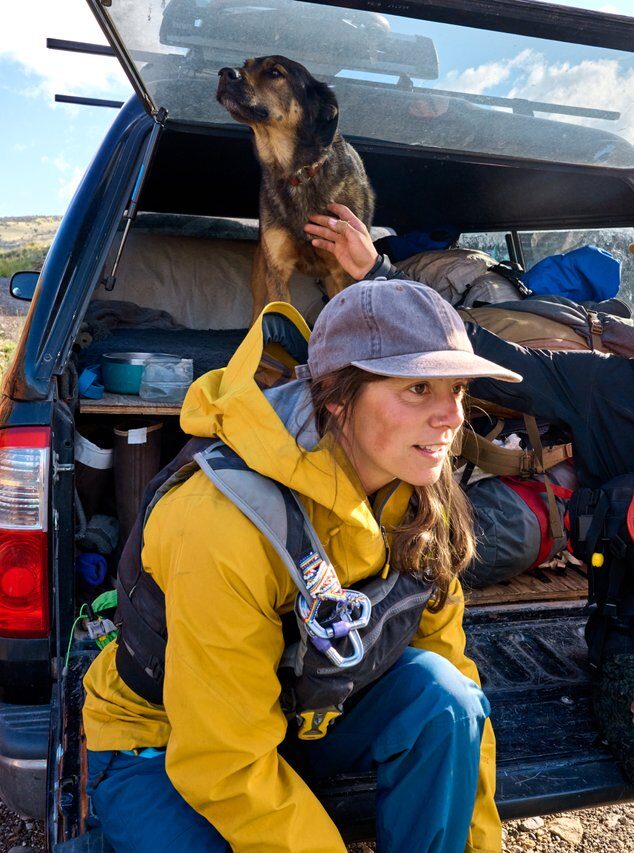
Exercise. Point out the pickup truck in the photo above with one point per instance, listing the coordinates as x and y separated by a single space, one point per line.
487 115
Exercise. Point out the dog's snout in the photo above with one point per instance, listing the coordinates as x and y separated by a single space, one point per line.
229 73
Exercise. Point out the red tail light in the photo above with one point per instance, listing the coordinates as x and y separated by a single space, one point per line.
24 471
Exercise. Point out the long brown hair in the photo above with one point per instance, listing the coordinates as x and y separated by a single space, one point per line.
435 537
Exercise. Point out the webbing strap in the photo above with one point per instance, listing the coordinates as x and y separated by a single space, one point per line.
497 429
510 462
595 529
258 497
617 571
596 331
509 270
597 642
556 527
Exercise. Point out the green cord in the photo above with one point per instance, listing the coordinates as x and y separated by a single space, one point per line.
81 616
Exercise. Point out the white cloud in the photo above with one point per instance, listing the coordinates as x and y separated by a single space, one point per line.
476 80
24 28
58 161
604 84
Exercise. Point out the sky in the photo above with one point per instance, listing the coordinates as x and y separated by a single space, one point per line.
46 147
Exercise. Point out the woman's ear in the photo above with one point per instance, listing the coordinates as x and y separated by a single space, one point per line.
335 409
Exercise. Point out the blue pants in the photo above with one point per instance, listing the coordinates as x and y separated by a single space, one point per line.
419 727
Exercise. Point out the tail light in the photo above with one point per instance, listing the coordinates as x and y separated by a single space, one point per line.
24 472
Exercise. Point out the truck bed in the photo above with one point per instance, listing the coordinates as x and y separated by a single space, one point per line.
532 661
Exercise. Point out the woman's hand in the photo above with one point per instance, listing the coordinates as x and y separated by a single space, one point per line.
345 237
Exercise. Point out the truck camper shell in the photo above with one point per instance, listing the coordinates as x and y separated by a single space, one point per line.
441 101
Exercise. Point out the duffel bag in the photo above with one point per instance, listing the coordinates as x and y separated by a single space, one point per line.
512 527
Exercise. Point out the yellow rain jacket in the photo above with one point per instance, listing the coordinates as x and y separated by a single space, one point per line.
225 588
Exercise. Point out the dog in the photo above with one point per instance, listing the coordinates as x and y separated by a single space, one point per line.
306 164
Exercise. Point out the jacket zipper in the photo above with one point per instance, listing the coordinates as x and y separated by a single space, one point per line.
386 565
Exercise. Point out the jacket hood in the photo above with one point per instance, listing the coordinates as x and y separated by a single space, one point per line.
273 430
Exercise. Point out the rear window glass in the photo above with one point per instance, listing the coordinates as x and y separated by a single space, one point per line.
537 245
397 79
619 242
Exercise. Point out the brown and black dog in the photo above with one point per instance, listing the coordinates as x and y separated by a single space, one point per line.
306 164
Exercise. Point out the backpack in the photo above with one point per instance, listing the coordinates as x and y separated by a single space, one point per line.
344 639
557 323
602 536
465 276
512 527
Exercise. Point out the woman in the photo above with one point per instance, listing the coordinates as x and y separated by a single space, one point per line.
366 442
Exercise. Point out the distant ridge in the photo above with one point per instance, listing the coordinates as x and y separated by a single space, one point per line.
17 232
24 241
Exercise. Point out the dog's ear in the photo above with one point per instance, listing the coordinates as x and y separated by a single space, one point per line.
322 115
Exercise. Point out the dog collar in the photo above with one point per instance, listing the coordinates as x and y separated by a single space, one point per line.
303 175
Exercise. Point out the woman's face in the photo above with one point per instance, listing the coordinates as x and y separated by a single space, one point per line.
403 429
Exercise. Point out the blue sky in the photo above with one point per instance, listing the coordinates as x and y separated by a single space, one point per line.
46 147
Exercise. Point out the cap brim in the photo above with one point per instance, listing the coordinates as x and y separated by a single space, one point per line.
446 364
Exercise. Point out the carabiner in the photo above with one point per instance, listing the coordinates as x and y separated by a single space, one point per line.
351 660
342 626
321 636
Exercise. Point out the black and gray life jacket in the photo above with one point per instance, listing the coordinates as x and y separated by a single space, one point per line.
343 640
602 535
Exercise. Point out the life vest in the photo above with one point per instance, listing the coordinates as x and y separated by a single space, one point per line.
344 639
602 535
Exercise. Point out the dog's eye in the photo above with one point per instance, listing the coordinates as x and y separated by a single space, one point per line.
275 72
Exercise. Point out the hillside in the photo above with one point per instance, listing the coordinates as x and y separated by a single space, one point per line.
15 231
24 241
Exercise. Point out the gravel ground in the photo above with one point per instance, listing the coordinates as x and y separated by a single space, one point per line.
15 832
590 831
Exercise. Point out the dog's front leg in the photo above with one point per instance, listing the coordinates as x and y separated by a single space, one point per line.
273 265
258 283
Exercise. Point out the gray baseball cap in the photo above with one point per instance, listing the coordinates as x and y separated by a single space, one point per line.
395 328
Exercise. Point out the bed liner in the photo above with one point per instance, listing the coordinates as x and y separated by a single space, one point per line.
550 758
